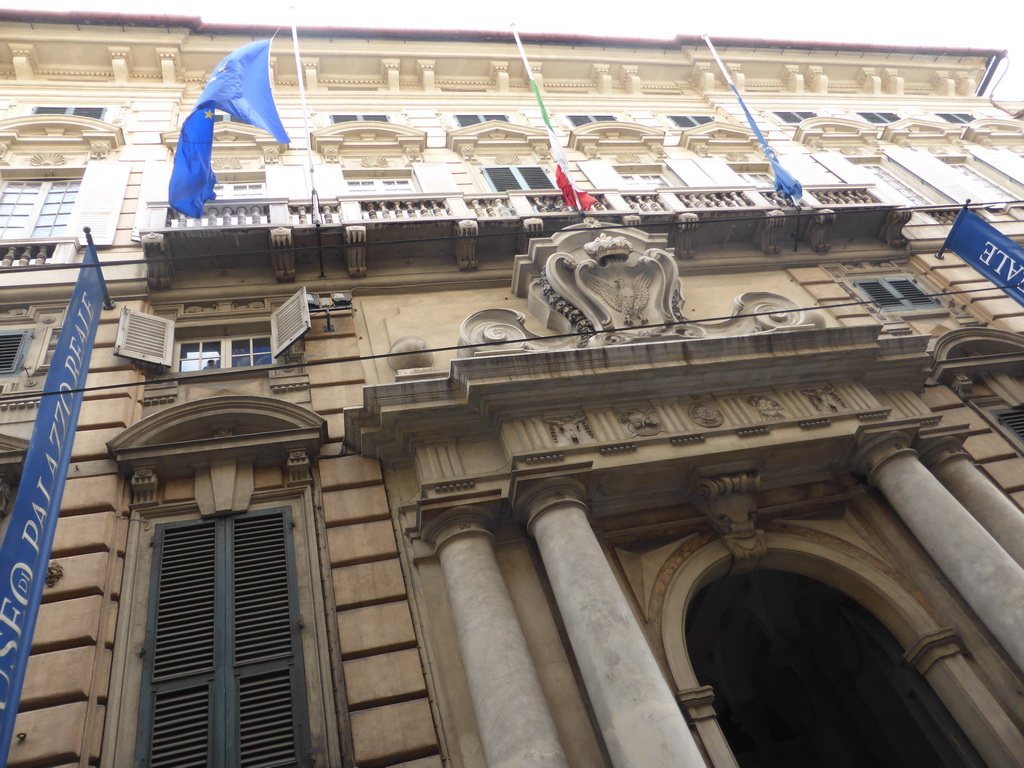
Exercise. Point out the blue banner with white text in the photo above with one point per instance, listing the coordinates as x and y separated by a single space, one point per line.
25 552
990 252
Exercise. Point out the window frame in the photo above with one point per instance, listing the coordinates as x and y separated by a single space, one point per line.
697 120
380 185
226 352
478 119
578 121
789 117
360 119
956 118
884 118
70 111
47 188
518 176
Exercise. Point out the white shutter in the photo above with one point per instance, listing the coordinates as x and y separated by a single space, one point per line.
1003 161
99 201
848 172
706 172
601 174
289 323
144 337
288 182
938 175
330 181
156 175
434 177
808 171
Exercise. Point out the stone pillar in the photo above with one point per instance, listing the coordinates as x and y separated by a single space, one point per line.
989 579
516 727
969 485
639 718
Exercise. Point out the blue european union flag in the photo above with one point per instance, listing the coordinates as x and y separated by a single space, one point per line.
785 182
240 86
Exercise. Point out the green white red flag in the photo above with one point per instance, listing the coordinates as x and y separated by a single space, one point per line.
572 195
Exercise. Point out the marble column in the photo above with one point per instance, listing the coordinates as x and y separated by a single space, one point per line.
970 486
516 727
639 718
986 576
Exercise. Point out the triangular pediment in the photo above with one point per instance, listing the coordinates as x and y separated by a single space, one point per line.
70 137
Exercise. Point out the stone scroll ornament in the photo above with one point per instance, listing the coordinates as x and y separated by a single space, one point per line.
610 294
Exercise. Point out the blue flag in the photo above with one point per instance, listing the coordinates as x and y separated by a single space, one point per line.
989 251
240 86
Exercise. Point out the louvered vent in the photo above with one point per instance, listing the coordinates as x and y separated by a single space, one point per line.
144 337
181 729
262 612
266 731
1013 420
185 611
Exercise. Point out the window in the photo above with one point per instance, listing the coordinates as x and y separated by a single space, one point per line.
335 119
208 354
689 121
957 118
36 208
578 120
464 120
150 339
909 194
93 112
505 178
643 181
223 680
13 348
793 118
247 189
380 186
880 118
992 192
759 179
895 293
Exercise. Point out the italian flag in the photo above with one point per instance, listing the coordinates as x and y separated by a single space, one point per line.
572 195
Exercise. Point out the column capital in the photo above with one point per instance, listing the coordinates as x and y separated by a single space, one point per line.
938 452
874 450
458 522
536 499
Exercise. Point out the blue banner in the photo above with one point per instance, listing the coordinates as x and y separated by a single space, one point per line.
25 552
990 252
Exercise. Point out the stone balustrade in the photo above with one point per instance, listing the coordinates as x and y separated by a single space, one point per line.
27 253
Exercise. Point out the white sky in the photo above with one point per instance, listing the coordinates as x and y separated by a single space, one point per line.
995 24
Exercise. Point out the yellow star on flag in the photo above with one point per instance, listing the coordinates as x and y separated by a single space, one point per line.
208 114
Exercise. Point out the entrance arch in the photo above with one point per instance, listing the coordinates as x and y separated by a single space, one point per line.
804 676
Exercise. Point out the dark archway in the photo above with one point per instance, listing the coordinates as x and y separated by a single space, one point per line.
805 677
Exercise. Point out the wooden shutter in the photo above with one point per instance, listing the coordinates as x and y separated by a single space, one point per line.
502 179
601 174
156 175
144 337
289 323
1013 420
13 347
434 177
330 181
808 171
896 293
288 182
706 172
938 175
535 177
99 201
1003 161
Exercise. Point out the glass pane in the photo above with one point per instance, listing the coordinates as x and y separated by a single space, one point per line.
199 356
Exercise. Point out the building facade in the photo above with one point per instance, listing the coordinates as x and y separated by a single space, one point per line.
446 474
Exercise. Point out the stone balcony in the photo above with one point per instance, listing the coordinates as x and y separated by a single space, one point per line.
365 232
30 253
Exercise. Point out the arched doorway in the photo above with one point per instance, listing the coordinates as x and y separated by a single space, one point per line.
804 677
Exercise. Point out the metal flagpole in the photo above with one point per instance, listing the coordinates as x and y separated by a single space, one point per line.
311 185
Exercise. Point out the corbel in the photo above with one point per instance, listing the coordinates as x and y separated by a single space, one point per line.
426 70
729 502
282 256
602 77
391 70
355 250
121 63
25 60
145 485
869 81
169 65
631 78
499 76
465 244
686 225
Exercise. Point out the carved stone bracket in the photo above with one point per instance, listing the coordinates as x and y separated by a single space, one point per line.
297 467
729 502
933 647
698 702
355 250
682 234
160 271
283 257
767 231
145 485
821 222
465 244
531 228
892 228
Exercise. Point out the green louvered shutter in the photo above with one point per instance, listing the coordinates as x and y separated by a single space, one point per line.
223 680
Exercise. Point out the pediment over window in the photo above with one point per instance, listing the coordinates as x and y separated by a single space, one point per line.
962 355
720 139
836 134
993 132
494 138
914 132
39 140
613 137
241 141
358 139
977 343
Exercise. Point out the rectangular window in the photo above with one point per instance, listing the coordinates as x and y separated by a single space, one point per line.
643 180
880 118
211 354
957 118
689 121
895 293
223 680
380 186
512 177
94 112
793 118
36 208
249 189
13 348
578 120
464 120
335 119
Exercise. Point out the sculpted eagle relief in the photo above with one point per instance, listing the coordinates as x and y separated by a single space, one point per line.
627 297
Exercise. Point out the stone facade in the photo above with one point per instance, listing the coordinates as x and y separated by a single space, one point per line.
526 465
